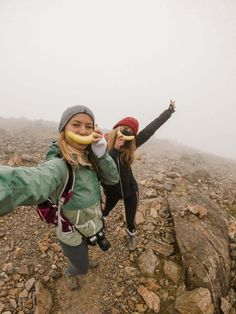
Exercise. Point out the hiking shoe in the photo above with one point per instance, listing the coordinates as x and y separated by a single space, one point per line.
93 263
132 242
72 282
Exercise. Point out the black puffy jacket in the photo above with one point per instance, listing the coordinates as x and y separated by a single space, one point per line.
127 185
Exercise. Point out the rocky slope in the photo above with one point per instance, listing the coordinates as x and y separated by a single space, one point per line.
152 279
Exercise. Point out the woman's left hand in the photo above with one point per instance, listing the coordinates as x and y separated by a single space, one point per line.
97 134
172 106
99 144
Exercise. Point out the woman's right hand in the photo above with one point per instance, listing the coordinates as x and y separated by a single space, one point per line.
119 142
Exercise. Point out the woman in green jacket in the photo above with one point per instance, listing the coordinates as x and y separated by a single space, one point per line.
34 185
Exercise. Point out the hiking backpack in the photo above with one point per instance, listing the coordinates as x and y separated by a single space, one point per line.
52 213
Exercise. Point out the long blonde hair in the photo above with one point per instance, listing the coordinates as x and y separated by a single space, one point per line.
128 153
74 156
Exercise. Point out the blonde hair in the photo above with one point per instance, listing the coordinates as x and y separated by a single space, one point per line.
128 153
74 156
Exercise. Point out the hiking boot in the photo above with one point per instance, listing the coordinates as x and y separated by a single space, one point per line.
72 282
132 242
93 263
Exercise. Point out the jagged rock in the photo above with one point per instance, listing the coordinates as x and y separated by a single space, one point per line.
29 284
160 177
130 271
2 307
56 247
139 218
225 306
8 268
206 265
23 270
168 184
44 301
172 270
153 213
151 193
151 299
162 248
197 209
232 229
24 294
140 308
43 246
197 301
147 262
19 252
151 284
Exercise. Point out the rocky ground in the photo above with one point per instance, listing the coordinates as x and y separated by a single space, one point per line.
148 280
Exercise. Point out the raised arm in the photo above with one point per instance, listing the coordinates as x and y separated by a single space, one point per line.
152 127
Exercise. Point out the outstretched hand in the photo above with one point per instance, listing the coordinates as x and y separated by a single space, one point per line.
172 106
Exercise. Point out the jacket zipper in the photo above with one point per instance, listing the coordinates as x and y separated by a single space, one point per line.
121 188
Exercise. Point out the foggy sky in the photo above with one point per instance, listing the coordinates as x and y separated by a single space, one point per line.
126 57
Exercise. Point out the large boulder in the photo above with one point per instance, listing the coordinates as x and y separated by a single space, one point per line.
203 242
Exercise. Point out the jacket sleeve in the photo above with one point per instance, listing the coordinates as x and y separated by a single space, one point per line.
108 171
30 185
151 128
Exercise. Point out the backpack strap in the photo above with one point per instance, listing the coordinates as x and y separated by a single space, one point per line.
68 190
64 197
51 212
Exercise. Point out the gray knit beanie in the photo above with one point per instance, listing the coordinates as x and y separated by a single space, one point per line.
70 112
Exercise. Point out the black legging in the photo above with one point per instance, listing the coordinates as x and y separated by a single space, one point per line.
131 205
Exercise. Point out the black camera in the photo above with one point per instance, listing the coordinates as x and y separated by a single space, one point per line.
100 239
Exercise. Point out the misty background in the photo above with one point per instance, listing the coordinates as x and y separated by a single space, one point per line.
126 57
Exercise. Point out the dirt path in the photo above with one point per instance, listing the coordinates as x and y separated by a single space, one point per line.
23 239
86 300
99 286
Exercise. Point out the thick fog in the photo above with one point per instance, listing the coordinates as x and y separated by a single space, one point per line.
126 57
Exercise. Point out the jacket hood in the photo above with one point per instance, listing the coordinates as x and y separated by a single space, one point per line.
52 151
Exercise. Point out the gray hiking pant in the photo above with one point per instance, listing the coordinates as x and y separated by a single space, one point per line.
78 258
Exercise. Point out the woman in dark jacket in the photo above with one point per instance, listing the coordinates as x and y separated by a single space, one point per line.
123 140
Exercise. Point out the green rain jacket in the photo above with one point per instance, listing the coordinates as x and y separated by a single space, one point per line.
33 185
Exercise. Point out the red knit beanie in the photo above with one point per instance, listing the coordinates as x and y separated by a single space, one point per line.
130 122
